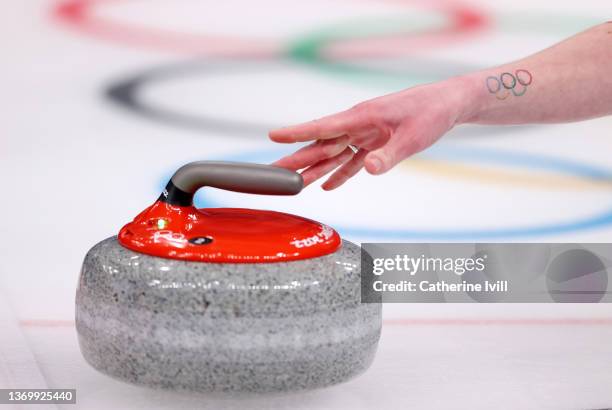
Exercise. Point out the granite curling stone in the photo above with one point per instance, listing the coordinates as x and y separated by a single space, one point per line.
225 299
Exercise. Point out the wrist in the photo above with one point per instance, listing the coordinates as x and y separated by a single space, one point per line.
469 98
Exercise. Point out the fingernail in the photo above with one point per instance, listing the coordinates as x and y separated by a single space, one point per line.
376 164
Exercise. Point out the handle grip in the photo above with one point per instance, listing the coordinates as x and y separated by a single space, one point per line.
231 176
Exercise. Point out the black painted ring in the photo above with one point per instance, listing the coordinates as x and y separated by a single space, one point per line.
128 93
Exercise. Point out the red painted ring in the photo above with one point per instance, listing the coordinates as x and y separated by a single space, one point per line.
78 15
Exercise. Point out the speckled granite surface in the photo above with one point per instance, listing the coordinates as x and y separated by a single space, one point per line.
225 327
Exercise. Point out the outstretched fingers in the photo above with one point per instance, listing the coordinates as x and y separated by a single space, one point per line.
321 168
328 127
346 171
313 153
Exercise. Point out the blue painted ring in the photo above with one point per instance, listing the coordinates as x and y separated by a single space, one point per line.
469 154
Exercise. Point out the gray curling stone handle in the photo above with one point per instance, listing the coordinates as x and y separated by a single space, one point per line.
231 176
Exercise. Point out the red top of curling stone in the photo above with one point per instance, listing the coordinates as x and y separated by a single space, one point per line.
173 228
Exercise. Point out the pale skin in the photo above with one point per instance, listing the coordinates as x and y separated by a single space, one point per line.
570 81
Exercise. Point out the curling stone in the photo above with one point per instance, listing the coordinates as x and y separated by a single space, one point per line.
225 299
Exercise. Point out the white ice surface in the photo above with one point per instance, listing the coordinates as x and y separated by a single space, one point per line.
75 168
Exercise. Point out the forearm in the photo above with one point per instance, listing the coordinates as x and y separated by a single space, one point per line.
570 81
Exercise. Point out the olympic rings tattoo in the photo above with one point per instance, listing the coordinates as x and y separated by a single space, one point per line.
507 82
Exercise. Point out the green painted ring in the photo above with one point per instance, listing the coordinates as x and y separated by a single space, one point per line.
308 49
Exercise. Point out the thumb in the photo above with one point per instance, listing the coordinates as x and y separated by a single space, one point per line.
395 150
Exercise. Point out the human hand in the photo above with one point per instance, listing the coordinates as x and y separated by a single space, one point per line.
385 130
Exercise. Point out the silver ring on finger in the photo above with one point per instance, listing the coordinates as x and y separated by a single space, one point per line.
353 148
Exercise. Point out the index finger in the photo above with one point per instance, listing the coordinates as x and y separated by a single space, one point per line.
332 126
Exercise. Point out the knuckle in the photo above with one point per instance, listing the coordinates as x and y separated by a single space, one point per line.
315 126
368 111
